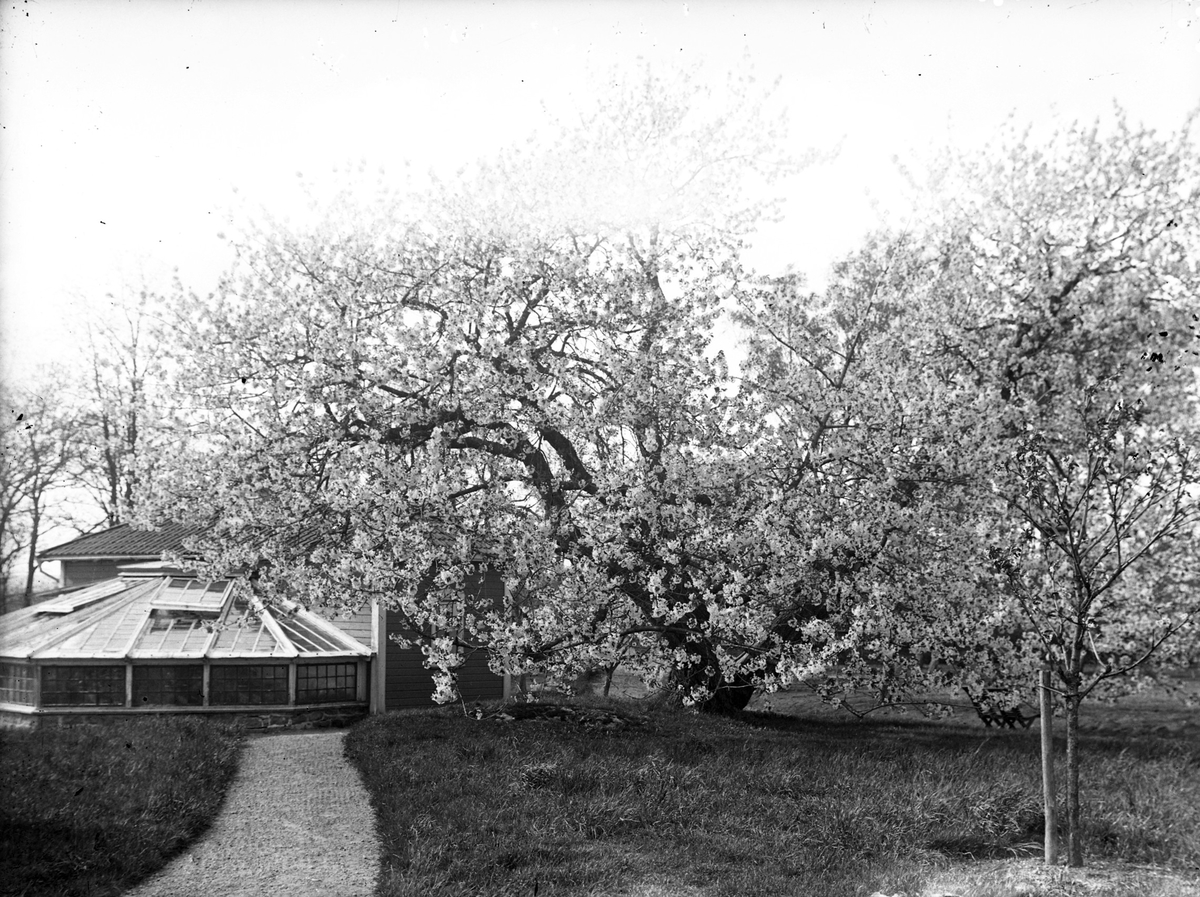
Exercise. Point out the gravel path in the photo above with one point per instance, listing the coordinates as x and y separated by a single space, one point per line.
296 821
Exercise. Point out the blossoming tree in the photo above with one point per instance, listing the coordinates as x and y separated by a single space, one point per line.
513 370
1071 256
1000 353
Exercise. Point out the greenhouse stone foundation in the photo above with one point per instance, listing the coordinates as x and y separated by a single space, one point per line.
251 720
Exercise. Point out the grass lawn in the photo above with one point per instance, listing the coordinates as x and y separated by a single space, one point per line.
678 804
90 810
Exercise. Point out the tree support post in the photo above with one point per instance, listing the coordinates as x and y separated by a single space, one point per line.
1074 832
1049 791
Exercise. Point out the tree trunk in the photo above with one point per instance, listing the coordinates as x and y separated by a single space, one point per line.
702 670
724 696
1049 789
1074 835
35 525
729 697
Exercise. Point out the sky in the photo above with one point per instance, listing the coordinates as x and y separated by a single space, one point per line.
133 135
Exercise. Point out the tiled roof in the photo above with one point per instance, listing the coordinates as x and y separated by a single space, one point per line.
123 542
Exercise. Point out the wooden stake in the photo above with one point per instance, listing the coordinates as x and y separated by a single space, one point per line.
1049 791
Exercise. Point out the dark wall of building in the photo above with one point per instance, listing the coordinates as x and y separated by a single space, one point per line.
407 683
82 573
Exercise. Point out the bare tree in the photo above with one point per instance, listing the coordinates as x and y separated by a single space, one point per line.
39 444
123 361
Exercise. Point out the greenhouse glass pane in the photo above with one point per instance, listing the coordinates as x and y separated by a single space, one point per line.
83 686
318 683
16 683
168 685
176 632
307 637
248 684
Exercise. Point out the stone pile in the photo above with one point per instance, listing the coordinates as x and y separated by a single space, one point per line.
596 718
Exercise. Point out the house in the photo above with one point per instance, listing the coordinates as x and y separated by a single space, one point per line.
149 639
97 556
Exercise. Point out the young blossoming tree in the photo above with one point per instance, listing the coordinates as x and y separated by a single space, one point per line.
970 427
515 373
1104 575
1055 264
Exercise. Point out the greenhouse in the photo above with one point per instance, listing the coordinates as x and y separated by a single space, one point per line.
153 643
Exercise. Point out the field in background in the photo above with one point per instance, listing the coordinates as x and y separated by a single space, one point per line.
1171 711
1174 713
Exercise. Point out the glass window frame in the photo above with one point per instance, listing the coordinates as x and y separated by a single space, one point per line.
183 682
331 682
18 682
107 689
240 680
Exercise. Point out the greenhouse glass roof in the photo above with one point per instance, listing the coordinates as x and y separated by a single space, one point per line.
168 617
